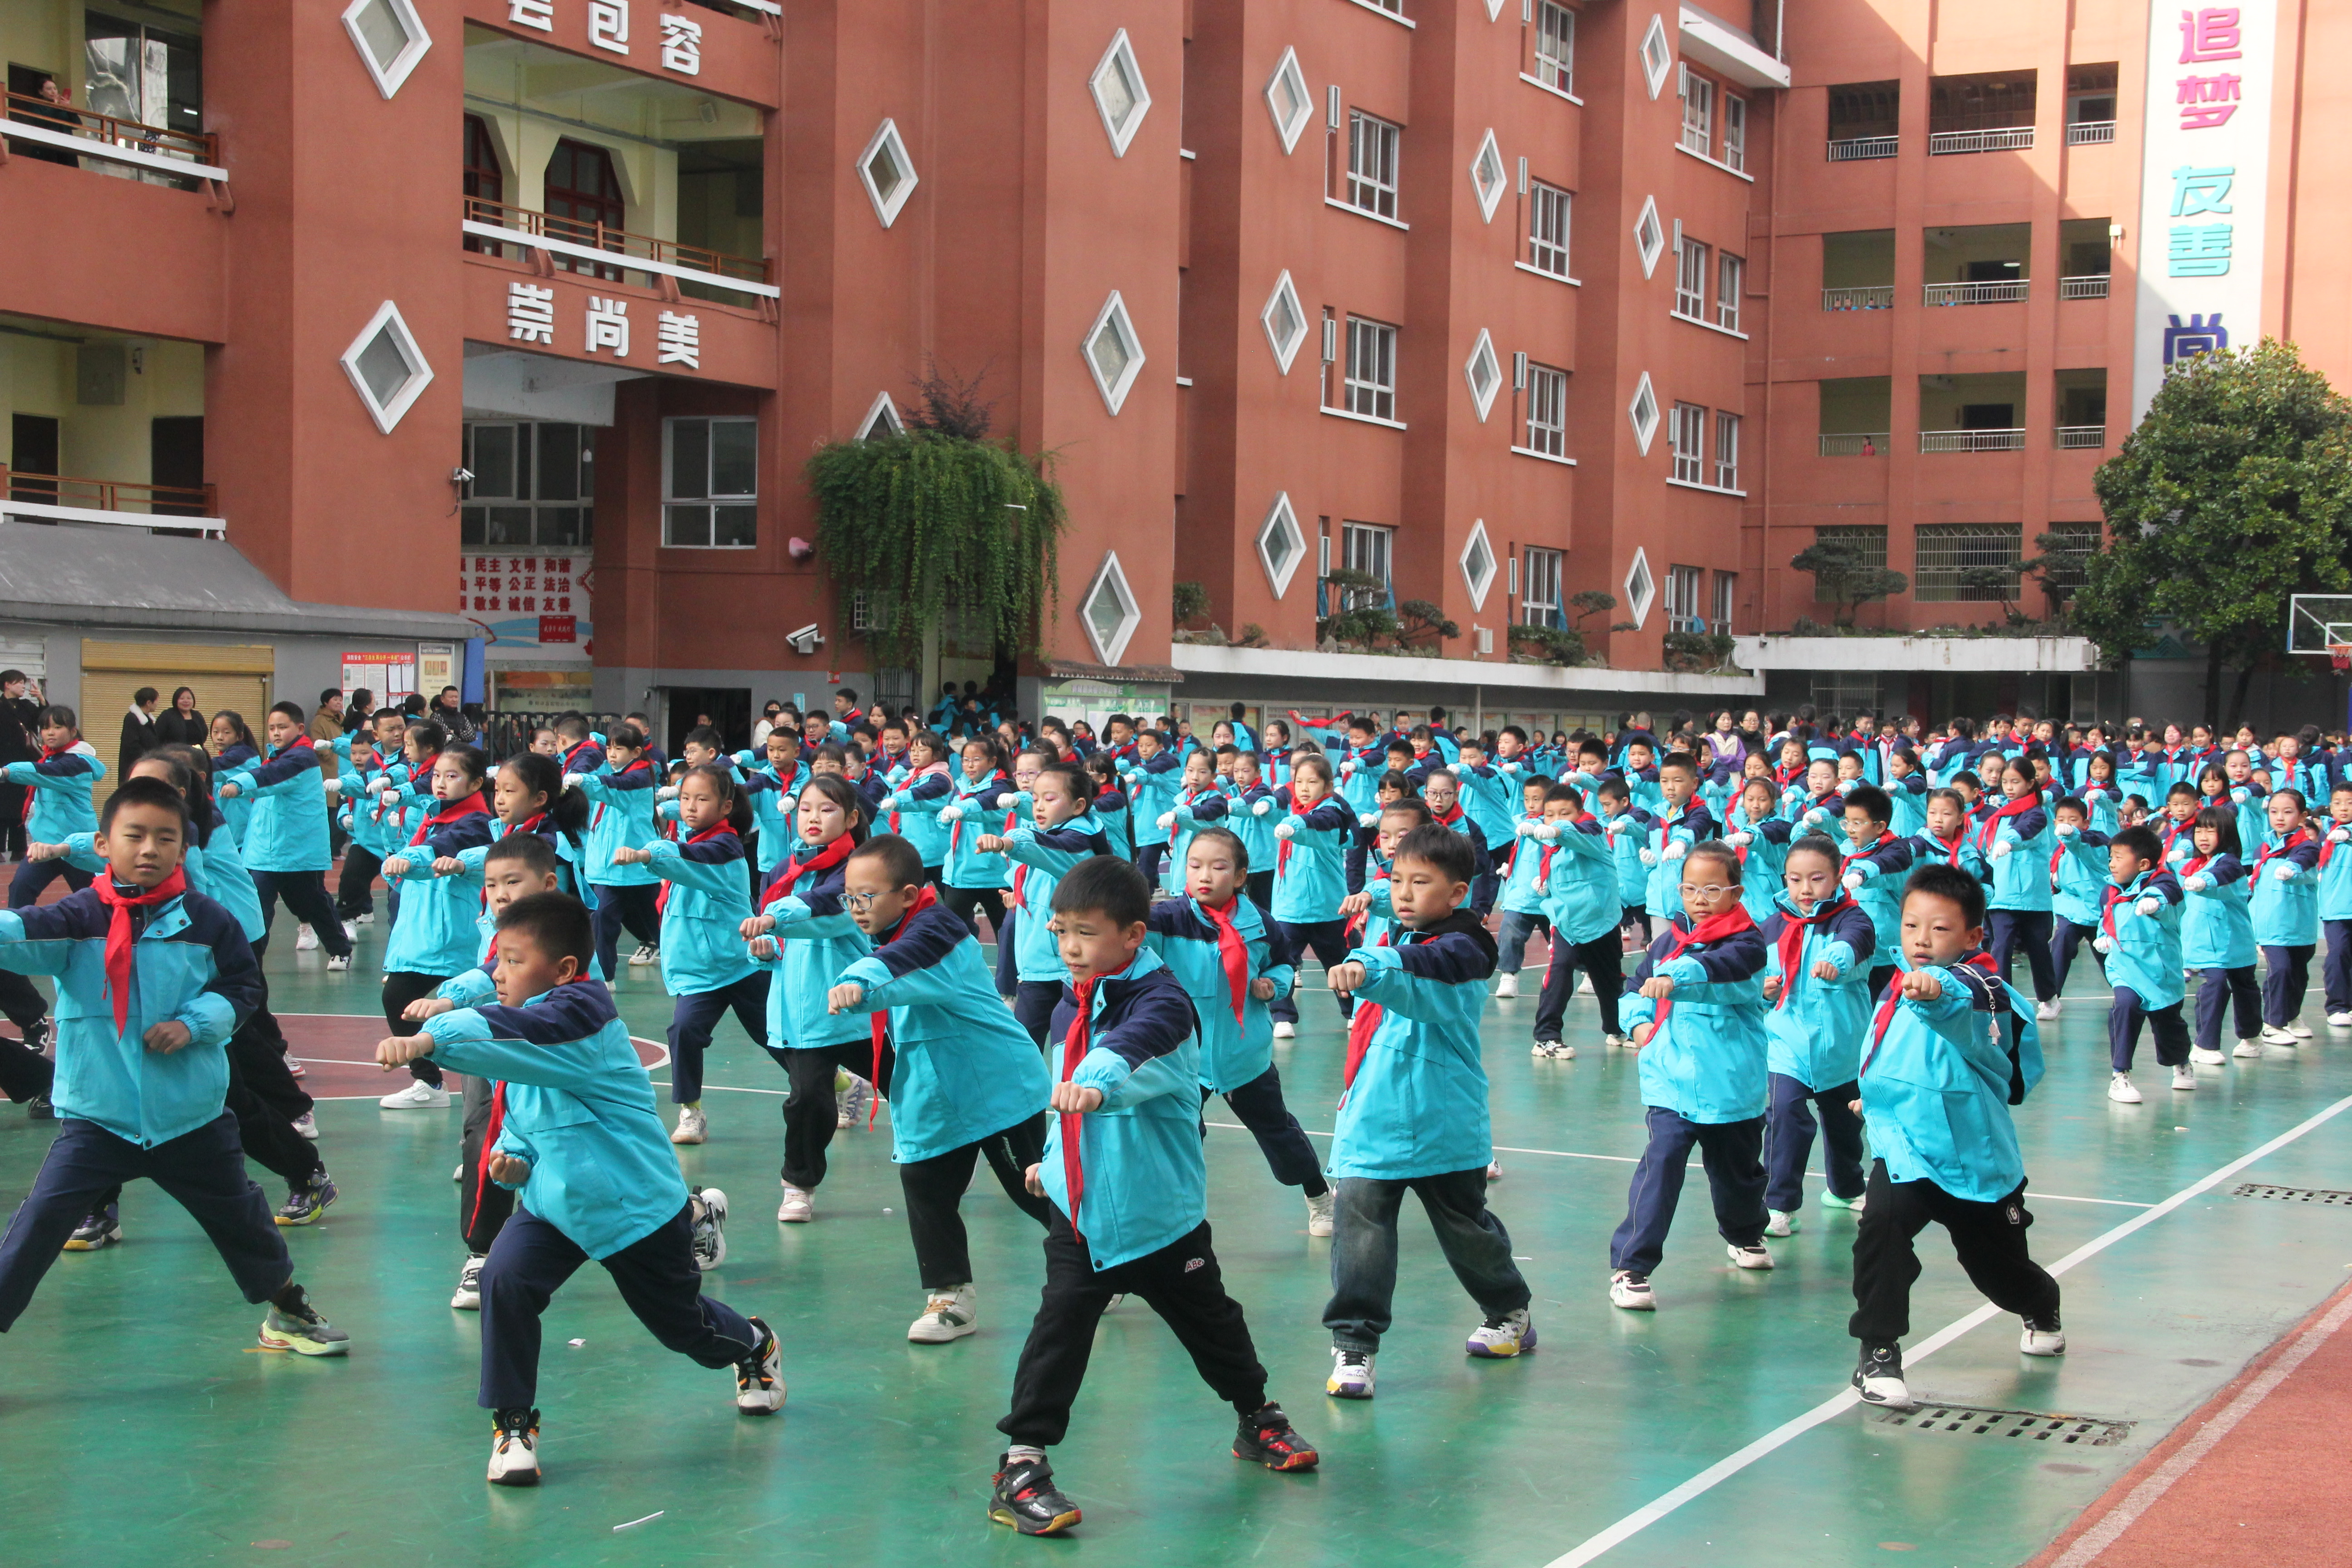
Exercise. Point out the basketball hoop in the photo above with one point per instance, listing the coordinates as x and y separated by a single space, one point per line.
2339 653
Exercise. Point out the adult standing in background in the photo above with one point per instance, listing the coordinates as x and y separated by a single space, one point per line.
326 729
451 715
19 714
138 728
181 724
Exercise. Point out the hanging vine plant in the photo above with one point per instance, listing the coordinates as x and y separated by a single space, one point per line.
940 518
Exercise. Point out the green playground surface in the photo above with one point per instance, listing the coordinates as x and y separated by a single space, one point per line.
143 1427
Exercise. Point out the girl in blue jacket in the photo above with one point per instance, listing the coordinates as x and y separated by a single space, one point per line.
2336 906
621 816
233 748
1820 949
973 881
2078 883
912 808
1761 835
434 935
1042 852
286 843
2139 935
1110 809
1310 880
2014 839
2285 904
59 806
2217 935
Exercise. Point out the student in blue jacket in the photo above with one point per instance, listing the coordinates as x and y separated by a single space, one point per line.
153 979
1110 809
2336 907
1949 1049
1310 851
1124 1171
285 841
1821 947
621 816
2217 934
773 777
1152 779
59 807
2015 841
1252 816
1906 786
1040 853
1521 888
971 880
580 1142
2078 884
1576 871
2139 936
1413 1115
434 935
1627 827
2285 904
1756 830
1875 863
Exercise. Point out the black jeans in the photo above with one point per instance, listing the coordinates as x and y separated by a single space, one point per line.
355 889
1603 958
1732 1153
655 1274
1364 1250
698 1014
1280 1139
934 1190
967 903
1988 1238
1181 1282
401 988
811 1108
631 905
1789 1129
305 893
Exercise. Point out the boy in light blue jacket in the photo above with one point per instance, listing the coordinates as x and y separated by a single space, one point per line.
1577 871
1821 949
2217 934
285 840
2078 883
2139 934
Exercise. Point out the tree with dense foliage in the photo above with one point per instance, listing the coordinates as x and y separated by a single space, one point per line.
1845 577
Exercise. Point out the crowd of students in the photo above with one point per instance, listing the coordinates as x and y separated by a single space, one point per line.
1827 917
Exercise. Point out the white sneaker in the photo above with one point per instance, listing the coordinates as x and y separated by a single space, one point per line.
350 930
2184 1077
760 1377
1563 1051
1632 1291
2247 1048
1495 1170
644 957
2045 1011
1878 1378
1776 1222
852 1105
798 1207
468 1298
2339 1020
2037 1340
1506 987
459 1175
693 1127
1351 1375
1543 1048
337 962
418 1096
707 1221
1499 1339
2122 1091
305 939
1283 1029
306 1125
1318 1213
2299 1029
1754 1257
1584 984
1620 1042
514 1453
2205 1057
366 920
948 1315
2274 1036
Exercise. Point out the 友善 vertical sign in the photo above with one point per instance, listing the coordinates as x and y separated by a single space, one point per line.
2204 171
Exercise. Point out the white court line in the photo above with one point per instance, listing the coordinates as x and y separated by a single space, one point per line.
1723 1470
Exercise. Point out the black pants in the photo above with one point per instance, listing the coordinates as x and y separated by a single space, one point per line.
2123 1020
11 815
401 988
24 1072
632 904
1181 1282
266 1100
1290 942
21 1002
2233 991
1148 859
2286 975
935 1187
968 903
2026 931
1603 958
1732 1153
1280 1139
2066 940
305 893
1364 1250
202 1170
1008 961
1033 1002
355 889
698 1014
655 1274
1988 1238
1260 889
810 1109
33 876
483 1208
1789 1129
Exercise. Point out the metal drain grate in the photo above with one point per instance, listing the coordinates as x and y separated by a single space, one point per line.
2032 1426
2292 1195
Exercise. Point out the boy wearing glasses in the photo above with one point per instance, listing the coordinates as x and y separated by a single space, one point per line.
1697 1010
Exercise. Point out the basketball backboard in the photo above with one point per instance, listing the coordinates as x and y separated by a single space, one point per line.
2319 623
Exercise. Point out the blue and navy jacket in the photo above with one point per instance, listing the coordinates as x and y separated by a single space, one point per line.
1041 857
620 817
287 829
1708 1058
237 811
1668 836
815 940
1111 813
1938 1079
1415 1104
2020 873
1237 1028
1576 870
773 796
1627 832
2335 872
2144 952
2216 930
1151 789
1909 794
1883 867
213 869
2078 876
1814 1029
1193 810
2284 903
1763 850
1523 883
912 812
1492 798
976 807
1310 880
703 912
61 786
1251 816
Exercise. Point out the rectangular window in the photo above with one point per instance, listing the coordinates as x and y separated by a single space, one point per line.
710 484
1698 113
1556 46
1730 276
1948 557
1547 410
1727 598
1682 599
1726 451
1868 542
1373 164
1539 606
1364 547
1690 280
2068 547
1370 386
1547 207
1735 132
1687 430
540 478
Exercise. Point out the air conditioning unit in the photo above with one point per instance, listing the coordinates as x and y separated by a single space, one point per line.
1485 639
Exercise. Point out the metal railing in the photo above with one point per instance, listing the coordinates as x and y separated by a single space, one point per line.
1860 444
2006 292
2090 286
2004 139
107 133
2081 438
1971 440
625 246
1855 149
1869 297
130 500
2085 132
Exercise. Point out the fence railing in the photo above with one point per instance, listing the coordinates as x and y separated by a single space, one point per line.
1860 443
1971 440
132 501
2007 290
507 732
1855 149
2085 133
107 135
1869 297
625 246
2090 286
2003 140
2081 438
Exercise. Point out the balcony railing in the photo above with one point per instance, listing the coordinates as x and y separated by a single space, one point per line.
85 133
1971 440
58 498
1869 297
1855 149
2090 286
2081 438
2004 139
600 252
1858 444
2085 132
2005 292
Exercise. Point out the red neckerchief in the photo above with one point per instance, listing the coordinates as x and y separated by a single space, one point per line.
301 741
1792 941
793 867
912 779
2299 837
1885 838
1893 998
119 937
450 812
1543 867
1233 951
661 900
1788 773
48 754
1075 1047
1732 921
2018 807
1282 845
1450 818
1362 1025
2173 833
497 1122
955 832
530 824
880 1018
2107 907
1951 847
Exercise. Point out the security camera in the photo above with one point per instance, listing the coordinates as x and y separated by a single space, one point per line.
461 475
805 640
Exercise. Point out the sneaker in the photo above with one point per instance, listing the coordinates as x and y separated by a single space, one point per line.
302 1330
798 1207
1777 1223
2122 1091
1506 987
1318 1213
709 1223
2299 1029
469 1295
305 1204
1112 1305
2205 1057
351 931
1283 1029
1831 1201
306 1125
1878 1378
1351 1375
418 1096
644 957
367 919
305 939
854 1104
693 1127
1620 1042
948 1315
2274 1036
1269 1438
2045 1011
102 1228
514 1447
337 962
759 1377
294 1068
1025 1497
1543 1048
1632 1291
2249 1047
2041 1336
1563 1051
459 1175
2184 1077
1495 1170
1499 1339
40 1107
1752 1256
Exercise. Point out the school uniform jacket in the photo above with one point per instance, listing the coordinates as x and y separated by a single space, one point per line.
2020 875
1813 1030
1909 794
1523 886
1667 839
2335 872
213 869
1237 1036
2144 952
237 810
1040 858
2078 876
815 941
984 806
1308 874
703 912
1417 1103
620 816
1251 815
1883 867
61 785
2284 900
1707 1060
1938 1079
1151 789
286 830
1576 871
1763 851
2216 930
912 811
773 798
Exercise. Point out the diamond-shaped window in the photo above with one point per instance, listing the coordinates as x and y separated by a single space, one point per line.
386 366
1641 590
1649 235
1488 177
1120 92
1290 100
1107 611
1657 56
1484 373
1478 564
888 172
1281 545
1113 353
1643 412
881 419
1285 321
390 38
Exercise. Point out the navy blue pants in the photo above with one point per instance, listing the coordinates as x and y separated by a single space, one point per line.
2123 1020
1733 1153
2336 975
1789 1129
2065 943
2027 931
655 1274
32 876
1148 857
1602 958
1008 963
2287 974
1259 1105
633 905
2227 990
1291 941
1033 1002
305 893
202 1170
698 1014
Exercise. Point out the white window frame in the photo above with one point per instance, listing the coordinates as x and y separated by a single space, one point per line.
1555 47
1482 373
389 76
1697 132
887 208
1730 281
1113 577
1282 521
1657 56
1726 600
1488 178
1120 57
1685 586
1113 316
1369 547
1541 603
1367 394
882 411
711 502
1690 279
1649 237
1373 188
1288 78
1643 412
1549 210
1285 295
1641 587
1547 405
386 415
1477 550
1686 436
1727 451
1735 132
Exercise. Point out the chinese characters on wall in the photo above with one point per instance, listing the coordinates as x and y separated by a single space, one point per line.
531 319
531 598
679 46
